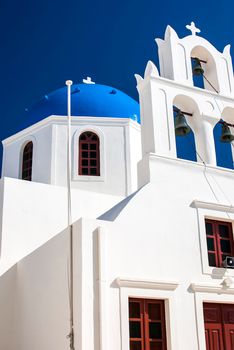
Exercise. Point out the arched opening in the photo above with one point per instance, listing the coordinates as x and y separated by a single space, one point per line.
185 144
223 150
205 77
89 154
27 160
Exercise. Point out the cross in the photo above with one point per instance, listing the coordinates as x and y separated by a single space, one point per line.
193 28
88 81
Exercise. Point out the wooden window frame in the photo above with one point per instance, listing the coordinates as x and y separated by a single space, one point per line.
27 159
144 320
89 152
217 252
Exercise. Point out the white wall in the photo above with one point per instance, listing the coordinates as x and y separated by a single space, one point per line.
8 338
154 248
40 319
159 238
42 148
34 213
118 153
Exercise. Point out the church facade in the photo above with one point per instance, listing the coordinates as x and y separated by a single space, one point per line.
153 244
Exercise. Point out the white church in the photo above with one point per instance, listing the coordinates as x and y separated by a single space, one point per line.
124 246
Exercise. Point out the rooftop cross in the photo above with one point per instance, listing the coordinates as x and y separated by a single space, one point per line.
193 28
88 81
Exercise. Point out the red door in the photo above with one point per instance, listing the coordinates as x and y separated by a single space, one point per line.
228 316
219 326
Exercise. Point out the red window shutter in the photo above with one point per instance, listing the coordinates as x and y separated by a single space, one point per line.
213 326
219 326
89 154
228 319
229 336
147 324
136 324
220 242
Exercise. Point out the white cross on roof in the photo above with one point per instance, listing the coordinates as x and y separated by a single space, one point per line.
193 28
88 81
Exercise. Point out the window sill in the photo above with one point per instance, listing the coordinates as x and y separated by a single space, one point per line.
218 271
87 178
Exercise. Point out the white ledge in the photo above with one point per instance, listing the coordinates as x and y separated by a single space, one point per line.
188 87
213 206
143 283
209 288
76 120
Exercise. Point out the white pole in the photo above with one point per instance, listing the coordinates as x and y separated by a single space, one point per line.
69 212
69 218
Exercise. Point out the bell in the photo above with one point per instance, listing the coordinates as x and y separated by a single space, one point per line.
181 126
226 135
197 69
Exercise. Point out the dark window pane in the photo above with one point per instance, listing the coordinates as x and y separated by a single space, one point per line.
209 230
83 137
93 146
26 156
135 329
135 345
85 162
225 246
85 171
84 154
154 311
93 154
210 244
93 171
224 231
211 259
93 162
156 345
134 310
155 330
84 146
94 137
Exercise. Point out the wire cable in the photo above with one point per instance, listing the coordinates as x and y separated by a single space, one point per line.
209 184
210 83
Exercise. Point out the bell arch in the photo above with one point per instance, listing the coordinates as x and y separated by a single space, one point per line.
224 148
185 145
209 79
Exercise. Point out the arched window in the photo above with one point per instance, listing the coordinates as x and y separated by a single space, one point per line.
89 154
27 161
204 69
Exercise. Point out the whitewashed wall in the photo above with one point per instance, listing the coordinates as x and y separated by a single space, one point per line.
119 153
40 212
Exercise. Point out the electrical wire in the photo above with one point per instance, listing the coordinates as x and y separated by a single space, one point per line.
208 182
210 83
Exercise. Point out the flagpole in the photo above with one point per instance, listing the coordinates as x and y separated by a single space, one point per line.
69 213
69 83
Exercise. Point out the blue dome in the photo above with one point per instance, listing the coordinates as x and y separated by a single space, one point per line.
88 100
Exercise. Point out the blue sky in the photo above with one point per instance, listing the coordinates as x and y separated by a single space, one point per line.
44 43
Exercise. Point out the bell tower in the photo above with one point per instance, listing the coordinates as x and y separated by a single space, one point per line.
174 90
